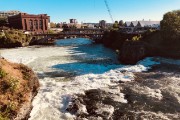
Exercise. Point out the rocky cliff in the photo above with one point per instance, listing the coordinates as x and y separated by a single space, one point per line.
134 47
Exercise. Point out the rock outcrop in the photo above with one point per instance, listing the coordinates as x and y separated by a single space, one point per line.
42 41
153 95
132 51
96 104
148 44
115 39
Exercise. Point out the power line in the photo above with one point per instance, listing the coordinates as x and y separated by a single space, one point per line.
109 10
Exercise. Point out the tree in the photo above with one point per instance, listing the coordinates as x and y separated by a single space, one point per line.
170 27
53 25
3 21
65 27
58 25
121 23
73 26
116 26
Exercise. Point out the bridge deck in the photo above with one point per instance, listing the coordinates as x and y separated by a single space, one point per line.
65 34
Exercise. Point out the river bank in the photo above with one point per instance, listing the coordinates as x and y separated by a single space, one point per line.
18 87
13 38
135 47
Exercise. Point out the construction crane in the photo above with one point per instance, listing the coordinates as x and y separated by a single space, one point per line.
109 10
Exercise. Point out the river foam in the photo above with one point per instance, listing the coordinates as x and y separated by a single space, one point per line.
93 66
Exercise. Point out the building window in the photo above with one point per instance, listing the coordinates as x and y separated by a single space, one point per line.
31 24
25 24
41 24
36 24
46 24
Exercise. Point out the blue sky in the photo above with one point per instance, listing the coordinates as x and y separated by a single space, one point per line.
93 10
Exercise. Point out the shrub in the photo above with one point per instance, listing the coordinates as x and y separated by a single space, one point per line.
2 73
14 38
2 117
6 111
13 83
51 32
136 38
10 84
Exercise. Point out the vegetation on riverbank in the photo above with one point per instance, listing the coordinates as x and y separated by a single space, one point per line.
13 38
164 42
3 21
18 86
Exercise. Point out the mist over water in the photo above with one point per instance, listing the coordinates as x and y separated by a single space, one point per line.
70 67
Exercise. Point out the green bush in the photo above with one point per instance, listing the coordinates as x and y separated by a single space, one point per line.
2 73
136 38
10 84
2 117
13 83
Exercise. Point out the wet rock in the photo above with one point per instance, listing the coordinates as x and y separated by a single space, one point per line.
132 52
105 111
90 118
149 98
42 41
76 107
96 104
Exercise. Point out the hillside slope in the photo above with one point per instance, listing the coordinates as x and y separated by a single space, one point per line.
18 86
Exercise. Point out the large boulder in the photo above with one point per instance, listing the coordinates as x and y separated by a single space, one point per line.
132 51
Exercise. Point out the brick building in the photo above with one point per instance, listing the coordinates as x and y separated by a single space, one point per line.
29 22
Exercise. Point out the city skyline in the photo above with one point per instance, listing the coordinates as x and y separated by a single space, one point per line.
94 10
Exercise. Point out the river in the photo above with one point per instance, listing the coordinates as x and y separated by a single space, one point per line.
71 67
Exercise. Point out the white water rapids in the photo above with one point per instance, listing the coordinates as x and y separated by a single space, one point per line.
71 67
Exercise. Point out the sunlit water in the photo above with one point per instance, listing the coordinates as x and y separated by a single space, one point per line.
71 67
